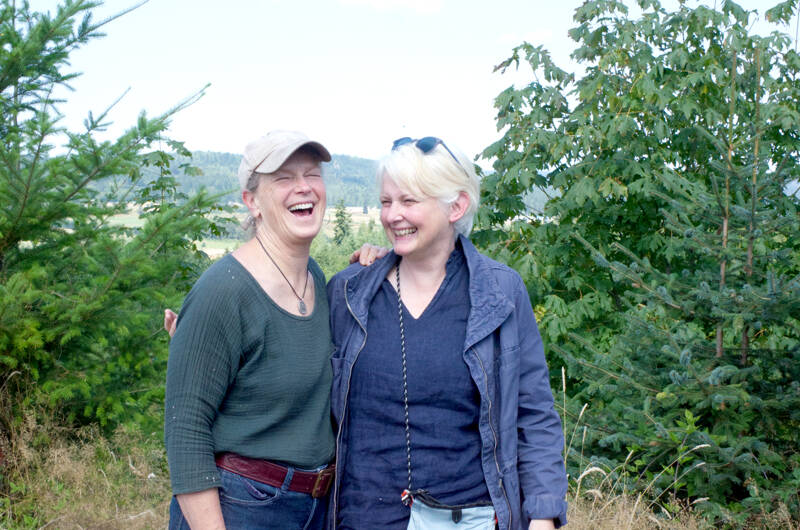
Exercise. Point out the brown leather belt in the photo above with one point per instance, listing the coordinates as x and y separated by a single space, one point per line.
317 484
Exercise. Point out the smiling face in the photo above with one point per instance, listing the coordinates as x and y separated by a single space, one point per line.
289 204
417 227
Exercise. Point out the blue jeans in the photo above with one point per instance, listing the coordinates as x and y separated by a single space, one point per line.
248 504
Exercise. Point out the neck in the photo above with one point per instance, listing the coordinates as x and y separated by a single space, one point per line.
292 259
428 270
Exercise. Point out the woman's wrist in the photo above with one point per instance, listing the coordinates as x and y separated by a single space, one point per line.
542 524
202 510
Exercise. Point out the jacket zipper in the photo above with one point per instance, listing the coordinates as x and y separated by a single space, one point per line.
344 408
494 434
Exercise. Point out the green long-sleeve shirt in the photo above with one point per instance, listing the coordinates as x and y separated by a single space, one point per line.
247 377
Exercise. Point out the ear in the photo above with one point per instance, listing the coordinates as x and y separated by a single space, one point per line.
459 207
249 200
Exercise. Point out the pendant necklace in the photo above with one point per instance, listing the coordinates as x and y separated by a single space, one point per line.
301 305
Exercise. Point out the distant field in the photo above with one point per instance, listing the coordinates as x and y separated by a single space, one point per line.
219 247
356 213
130 219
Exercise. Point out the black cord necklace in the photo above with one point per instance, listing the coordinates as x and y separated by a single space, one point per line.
405 498
301 305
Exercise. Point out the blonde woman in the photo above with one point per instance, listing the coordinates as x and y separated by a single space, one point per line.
440 381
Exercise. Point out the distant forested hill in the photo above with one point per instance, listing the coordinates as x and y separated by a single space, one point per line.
347 178
352 180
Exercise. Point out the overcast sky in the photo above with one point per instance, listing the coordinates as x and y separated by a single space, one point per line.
355 74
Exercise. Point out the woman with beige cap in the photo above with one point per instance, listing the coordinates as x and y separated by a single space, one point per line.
247 420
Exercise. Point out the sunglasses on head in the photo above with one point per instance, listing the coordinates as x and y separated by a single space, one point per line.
426 145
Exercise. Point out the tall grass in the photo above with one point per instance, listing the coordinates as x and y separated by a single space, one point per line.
55 477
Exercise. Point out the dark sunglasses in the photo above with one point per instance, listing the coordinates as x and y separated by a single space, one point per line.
426 145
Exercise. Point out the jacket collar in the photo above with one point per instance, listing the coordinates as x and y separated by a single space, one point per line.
489 306
362 286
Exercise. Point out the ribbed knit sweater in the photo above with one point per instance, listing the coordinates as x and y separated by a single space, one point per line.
246 376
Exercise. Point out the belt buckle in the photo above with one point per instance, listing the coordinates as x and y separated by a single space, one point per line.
321 483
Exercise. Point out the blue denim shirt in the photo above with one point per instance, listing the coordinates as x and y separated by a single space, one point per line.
519 428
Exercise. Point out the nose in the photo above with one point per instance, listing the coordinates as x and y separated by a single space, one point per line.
392 212
301 184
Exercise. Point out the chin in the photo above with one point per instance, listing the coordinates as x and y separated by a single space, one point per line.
403 249
307 226
308 235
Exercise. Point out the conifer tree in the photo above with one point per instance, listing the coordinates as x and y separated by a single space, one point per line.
342 223
80 294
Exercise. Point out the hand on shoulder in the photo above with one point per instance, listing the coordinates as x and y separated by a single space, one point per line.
170 321
368 253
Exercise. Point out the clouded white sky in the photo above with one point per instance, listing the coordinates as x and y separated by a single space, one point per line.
355 74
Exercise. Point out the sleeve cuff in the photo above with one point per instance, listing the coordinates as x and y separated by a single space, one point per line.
546 507
195 482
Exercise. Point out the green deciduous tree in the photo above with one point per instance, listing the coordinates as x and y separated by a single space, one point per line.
80 293
666 266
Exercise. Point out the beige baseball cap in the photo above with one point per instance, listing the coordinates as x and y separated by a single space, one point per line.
268 153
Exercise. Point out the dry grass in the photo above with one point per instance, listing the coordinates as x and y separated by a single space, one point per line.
58 478
62 479
622 511
595 512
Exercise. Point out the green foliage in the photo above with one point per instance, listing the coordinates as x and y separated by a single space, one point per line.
81 296
217 175
342 223
666 264
334 256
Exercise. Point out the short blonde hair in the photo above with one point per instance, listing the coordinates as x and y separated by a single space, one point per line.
437 174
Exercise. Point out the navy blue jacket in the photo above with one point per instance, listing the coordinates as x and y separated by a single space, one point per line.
519 427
